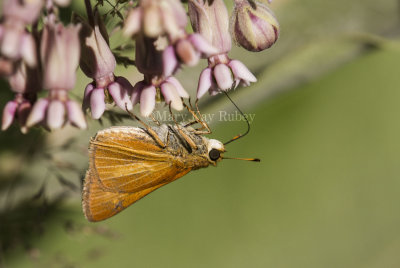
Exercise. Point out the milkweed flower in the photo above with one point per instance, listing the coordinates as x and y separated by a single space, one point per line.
15 41
98 63
169 89
187 49
211 20
254 27
155 87
60 52
25 82
222 74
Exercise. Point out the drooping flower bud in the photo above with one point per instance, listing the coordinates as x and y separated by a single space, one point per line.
253 26
211 20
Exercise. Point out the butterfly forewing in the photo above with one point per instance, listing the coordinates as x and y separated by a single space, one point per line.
125 165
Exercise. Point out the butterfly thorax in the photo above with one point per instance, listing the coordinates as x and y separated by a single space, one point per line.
175 138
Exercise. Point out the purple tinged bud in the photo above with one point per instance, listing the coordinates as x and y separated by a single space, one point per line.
241 72
255 29
170 62
171 96
55 114
75 115
8 114
38 112
223 77
212 22
97 104
205 82
178 86
147 100
120 96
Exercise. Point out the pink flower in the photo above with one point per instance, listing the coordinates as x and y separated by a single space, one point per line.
223 74
211 20
60 51
145 93
25 83
187 50
98 62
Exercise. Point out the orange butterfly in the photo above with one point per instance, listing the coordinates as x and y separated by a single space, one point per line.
127 163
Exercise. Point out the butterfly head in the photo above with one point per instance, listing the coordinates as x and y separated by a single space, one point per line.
215 151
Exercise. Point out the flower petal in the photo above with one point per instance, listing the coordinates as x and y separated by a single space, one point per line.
75 115
8 114
240 71
137 89
28 50
205 82
120 96
147 100
201 44
86 96
38 112
171 96
187 53
97 104
133 22
170 62
55 114
223 76
178 86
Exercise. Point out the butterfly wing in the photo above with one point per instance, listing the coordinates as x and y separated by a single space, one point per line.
125 165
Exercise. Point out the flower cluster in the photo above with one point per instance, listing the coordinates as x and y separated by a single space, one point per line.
45 56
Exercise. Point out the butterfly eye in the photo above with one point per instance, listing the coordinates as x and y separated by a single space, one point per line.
214 154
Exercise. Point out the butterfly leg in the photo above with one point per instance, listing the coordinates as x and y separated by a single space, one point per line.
155 120
149 130
191 143
197 117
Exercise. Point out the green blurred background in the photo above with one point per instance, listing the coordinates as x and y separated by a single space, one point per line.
326 193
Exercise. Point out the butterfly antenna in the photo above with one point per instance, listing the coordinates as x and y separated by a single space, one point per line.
244 116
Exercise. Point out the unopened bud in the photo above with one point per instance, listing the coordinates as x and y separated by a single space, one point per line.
253 26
